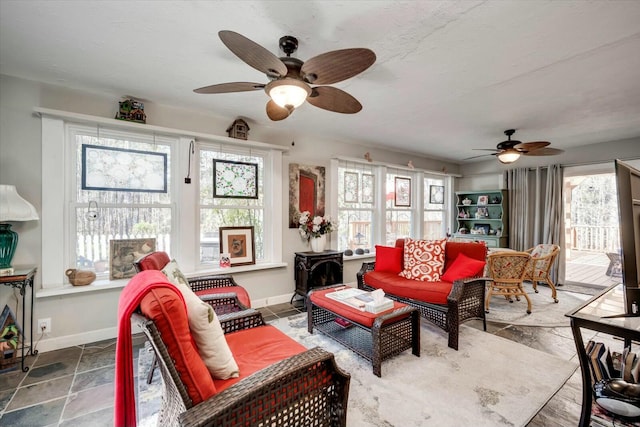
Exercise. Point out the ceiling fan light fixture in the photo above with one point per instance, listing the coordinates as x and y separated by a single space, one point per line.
288 93
509 155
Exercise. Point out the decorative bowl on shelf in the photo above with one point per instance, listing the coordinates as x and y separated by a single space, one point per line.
466 201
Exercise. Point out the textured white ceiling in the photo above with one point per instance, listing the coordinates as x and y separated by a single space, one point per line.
450 76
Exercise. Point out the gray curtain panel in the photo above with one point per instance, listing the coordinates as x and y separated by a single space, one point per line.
535 210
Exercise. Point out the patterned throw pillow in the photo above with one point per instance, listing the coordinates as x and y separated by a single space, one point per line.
423 259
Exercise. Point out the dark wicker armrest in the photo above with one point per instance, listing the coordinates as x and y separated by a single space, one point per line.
470 287
213 281
307 386
224 302
366 267
240 320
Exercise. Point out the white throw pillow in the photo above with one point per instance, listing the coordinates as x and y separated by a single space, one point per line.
205 328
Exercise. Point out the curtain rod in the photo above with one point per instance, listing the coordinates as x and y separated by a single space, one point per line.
400 167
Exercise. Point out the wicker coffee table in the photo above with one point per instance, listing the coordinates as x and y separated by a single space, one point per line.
374 336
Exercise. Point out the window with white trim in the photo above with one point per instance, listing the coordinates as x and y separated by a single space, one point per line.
356 206
119 191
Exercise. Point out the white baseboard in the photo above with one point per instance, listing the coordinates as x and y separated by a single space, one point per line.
57 343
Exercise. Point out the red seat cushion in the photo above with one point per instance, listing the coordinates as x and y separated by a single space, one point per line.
167 310
390 283
243 295
364 318
388 259
256 348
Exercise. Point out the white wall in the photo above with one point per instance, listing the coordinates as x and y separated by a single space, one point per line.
90 316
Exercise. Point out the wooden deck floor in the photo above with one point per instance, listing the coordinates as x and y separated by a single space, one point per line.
589 268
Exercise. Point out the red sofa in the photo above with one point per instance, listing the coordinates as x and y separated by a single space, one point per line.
458 296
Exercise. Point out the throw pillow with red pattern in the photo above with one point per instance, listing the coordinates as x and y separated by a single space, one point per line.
423 259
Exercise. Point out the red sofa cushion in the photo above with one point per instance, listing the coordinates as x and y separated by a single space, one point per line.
364 318
390 283
256 348
463 267
471 249
243 295
167 310
388 259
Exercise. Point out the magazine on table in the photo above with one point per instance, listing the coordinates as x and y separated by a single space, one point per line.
373 302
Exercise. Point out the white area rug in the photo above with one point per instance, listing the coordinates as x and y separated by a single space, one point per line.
544 312
490 381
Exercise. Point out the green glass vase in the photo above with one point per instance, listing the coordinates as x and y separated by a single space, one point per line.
8 243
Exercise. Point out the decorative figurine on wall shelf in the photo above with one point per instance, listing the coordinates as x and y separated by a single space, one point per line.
239 129
131 110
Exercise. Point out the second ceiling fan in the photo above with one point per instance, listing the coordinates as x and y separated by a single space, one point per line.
291 78
510 150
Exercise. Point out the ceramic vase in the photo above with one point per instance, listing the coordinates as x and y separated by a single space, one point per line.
318 244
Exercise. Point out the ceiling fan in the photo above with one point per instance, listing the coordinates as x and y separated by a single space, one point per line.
290 78
510 150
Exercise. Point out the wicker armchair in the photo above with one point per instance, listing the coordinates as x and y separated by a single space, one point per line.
305 389
507 270
539 270
220 290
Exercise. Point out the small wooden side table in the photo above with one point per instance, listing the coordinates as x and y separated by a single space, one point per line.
22 278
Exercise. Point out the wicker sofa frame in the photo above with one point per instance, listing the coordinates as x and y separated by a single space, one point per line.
305 389
465 302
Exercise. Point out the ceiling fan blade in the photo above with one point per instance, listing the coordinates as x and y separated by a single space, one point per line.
337 65
481 155
547 151
230 87
276 112
333 99
253 54
531 146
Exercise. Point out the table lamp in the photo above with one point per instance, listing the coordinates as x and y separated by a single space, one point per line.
12 208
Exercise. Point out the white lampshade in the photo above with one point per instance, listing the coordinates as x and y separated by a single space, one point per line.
288 92
13 207
509 155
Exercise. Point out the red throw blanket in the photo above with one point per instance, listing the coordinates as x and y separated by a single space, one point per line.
132 294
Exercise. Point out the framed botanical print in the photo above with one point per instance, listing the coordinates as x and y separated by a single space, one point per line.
235 180
403 192
238 242
436 194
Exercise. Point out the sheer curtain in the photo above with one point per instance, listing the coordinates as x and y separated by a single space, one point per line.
535 210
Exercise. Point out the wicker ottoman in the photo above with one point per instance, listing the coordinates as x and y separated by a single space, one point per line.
376 337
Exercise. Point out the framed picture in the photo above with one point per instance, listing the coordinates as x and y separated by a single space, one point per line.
403 192
350 187
483 212
235 180
483 200
368 184
122 254
436 194
118 169
239 244
483 228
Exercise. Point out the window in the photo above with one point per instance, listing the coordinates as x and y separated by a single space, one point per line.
356 206
379 204
118 192
118 200
216 212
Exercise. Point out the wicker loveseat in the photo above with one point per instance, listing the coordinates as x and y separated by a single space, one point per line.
444 303
280 382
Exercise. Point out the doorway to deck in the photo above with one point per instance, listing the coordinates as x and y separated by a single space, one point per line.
592 239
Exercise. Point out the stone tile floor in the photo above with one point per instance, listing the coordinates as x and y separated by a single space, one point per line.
75 386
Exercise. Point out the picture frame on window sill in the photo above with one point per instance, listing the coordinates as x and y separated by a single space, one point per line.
239 243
